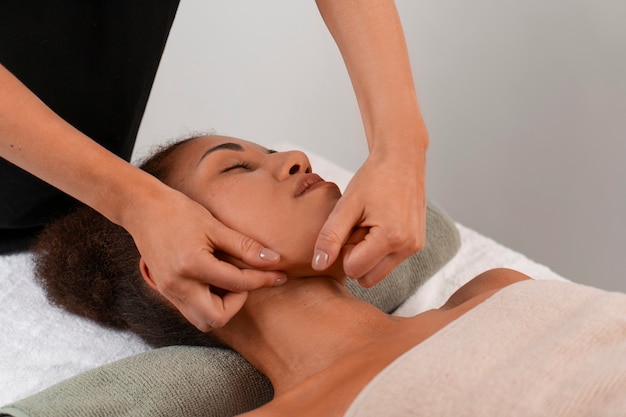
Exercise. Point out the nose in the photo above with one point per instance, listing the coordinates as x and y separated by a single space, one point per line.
291 163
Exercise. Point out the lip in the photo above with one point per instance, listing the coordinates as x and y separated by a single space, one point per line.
308 182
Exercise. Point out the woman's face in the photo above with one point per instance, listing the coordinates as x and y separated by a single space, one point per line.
272 197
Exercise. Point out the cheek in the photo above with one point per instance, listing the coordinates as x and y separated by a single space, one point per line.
296 231
288 228
272 217
250 210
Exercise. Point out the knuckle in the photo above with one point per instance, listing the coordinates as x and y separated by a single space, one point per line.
218 322
168 284
246 245
397 237
181 269
184 265
237 286
400 240
328 235
413 245
205 327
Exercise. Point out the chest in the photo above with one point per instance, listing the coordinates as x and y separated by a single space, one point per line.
330 392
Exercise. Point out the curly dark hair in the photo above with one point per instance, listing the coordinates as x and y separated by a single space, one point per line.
90 266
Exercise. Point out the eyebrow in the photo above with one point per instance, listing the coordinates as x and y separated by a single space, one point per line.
224 146
230 146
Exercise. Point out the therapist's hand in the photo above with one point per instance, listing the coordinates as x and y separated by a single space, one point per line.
386 197
178 240
176 237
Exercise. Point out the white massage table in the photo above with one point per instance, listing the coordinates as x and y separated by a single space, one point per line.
42 345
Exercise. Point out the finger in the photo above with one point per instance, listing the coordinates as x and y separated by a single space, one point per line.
358 234
204 268
334 234
380 271
208 311
244 248
366 254
228 277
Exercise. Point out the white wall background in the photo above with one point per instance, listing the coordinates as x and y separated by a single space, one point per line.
525 104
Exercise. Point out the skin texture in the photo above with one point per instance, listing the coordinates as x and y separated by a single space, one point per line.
178 253
257 191
371 41
316 342
319 368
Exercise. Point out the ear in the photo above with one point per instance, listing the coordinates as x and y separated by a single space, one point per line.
145 273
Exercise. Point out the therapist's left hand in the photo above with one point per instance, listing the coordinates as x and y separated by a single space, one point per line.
387 198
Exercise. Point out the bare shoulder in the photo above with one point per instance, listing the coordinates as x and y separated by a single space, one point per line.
487 282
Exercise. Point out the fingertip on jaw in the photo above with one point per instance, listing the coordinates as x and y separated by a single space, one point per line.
268 255
320 260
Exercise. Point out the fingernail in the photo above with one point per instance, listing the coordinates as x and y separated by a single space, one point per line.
280 281
320 259
269 255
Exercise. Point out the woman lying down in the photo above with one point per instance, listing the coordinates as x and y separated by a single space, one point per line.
503 344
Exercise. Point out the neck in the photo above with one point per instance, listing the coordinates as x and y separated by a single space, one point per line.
291 332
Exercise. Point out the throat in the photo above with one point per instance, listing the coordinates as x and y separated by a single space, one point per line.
293 332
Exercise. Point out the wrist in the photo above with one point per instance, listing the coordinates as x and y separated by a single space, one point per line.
131 199
396 127
408 143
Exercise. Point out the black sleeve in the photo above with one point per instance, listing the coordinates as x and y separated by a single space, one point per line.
93 62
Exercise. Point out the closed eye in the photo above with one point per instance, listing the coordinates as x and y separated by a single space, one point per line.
244 165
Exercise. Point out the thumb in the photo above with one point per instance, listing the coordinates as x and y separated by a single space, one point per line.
333 235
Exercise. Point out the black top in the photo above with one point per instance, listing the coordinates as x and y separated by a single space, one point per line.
93 62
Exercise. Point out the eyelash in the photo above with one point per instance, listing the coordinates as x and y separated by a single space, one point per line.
244 165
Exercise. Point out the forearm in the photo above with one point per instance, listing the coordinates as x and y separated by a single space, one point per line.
34 138
371 41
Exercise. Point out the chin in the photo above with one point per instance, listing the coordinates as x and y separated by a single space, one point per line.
304 270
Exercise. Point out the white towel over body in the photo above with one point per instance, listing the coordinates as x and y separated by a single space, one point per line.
536 348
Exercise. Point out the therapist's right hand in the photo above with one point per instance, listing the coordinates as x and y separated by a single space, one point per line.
178 240
176 237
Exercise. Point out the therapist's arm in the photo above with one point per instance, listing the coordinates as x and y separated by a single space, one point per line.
387 194
175 236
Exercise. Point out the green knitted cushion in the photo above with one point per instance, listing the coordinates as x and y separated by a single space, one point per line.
194 381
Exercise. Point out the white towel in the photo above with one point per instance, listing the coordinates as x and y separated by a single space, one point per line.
534 349
42 345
